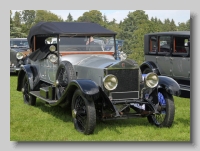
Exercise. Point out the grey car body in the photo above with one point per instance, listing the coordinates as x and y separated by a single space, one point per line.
18 48
168 54
91 82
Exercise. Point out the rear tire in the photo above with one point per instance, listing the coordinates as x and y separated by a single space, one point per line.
165 117
83 113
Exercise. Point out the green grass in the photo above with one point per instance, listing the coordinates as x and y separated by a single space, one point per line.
44 123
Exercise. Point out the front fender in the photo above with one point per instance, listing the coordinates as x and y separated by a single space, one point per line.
170 85
32 74
89 89
151 65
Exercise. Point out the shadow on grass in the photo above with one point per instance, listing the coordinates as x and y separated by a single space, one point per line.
184 121
64 114
14 74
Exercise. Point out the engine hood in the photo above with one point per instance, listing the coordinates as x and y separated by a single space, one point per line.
90 60
98 61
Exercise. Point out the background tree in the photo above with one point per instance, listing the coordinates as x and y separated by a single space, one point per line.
16 26
184 26
112 25
28 17
17 19
93 16
69 18
132 29
173 26
129 26
43 15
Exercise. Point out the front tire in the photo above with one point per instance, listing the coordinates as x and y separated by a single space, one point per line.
28 98
83 113
165 117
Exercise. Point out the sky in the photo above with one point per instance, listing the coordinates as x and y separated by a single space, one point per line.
120 15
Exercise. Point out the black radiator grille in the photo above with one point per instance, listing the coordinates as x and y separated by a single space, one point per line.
128 79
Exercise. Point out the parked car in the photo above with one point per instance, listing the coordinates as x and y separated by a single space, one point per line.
19 50
94 85
110 44
168 54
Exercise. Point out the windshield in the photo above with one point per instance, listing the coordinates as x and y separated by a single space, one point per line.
84 43
18 43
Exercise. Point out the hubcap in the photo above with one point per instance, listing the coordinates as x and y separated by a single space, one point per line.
74 113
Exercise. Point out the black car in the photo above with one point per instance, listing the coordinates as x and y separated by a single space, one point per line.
19 50
168 54
76 73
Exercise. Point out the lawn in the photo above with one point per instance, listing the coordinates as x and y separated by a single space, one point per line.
45 123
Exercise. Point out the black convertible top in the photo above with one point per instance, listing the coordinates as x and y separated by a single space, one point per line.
67 28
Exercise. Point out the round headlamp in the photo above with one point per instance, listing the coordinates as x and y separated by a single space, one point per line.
52 48
151 80
19 55
110 82
53 58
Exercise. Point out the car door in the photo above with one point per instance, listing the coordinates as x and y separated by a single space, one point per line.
181 67
181 58
163 59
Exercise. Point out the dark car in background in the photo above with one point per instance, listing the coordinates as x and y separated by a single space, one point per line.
90 81
109 46
19 49
168 54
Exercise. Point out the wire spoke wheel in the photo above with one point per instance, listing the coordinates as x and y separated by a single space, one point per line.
166 110
28 98
83 113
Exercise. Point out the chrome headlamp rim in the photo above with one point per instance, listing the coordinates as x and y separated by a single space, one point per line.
52 58
19 55
151 80
110 82
52 48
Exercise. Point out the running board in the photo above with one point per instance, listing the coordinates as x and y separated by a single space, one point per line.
37 94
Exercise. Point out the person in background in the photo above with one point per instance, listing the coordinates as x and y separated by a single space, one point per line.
91 45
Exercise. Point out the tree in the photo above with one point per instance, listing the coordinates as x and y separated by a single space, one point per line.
188 25
28 17
173 26
17 19
166 25
16 32
69 18
43 15
132 31
105 20
130 25
93 16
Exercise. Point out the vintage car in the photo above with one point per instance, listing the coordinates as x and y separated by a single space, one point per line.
168 54
19 50
94 84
